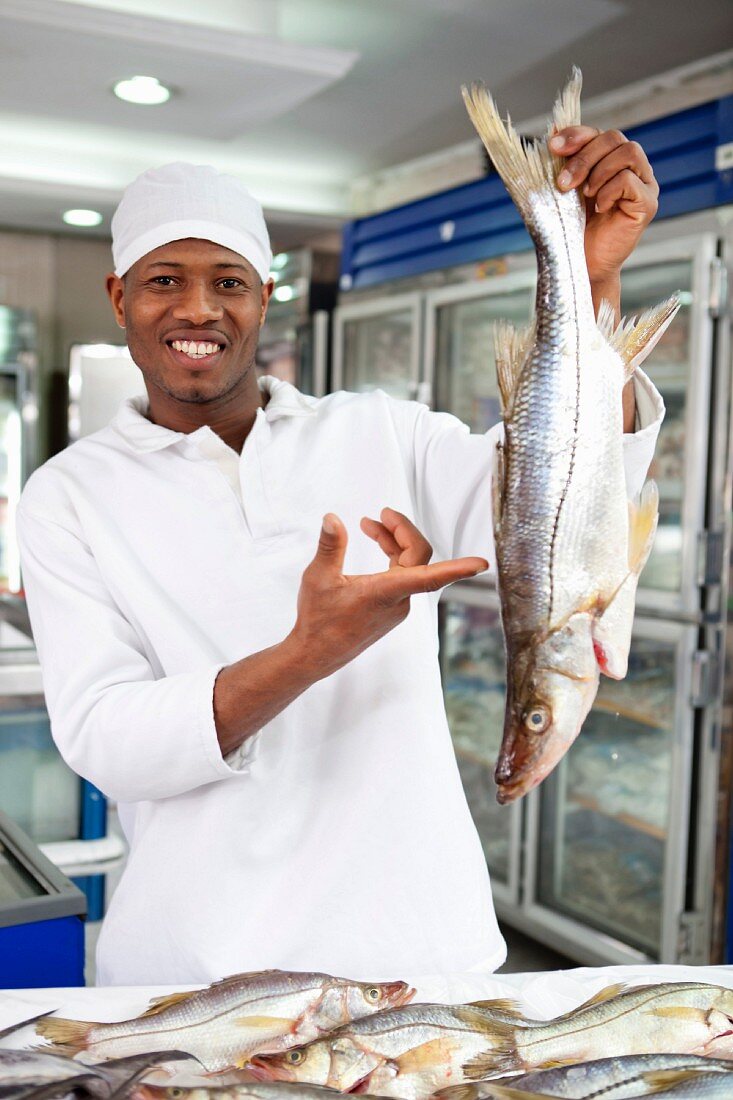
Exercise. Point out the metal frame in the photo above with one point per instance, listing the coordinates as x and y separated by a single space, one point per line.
376 307
700 250
62 899
504 893
465 292
577 938
320 352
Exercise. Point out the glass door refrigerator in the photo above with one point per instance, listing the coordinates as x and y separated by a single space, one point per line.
377 345
614 860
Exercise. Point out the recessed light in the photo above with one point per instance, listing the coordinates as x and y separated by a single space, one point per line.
283 293
82 217
146 90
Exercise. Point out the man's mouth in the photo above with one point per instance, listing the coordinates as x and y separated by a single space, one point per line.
198 352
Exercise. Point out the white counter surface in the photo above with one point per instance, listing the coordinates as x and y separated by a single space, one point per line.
542 994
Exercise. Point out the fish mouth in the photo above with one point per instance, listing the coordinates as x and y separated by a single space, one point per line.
398 993
264 1069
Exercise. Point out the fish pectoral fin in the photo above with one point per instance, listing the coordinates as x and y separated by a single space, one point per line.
501 1005
510 351
636 338
557 1063
281 1024
643 519
426 1056
659 1080
612 630
681 1013
160 1004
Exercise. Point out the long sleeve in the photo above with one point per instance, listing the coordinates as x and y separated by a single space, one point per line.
453 471
132 735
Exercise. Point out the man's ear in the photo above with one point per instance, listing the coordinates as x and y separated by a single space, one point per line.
267 289
116 291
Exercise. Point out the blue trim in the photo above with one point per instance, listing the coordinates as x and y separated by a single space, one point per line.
93 826
478 220
44 953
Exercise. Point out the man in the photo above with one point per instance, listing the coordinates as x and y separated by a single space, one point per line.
270 722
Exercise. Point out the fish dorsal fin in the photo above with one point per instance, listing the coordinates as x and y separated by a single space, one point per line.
643 517
502 1006
599 998
606 320
160 1004
634 339
510 351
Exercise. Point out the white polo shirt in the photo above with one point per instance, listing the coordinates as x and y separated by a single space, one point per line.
339 838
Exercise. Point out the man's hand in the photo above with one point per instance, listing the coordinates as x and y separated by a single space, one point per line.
341 616
620 190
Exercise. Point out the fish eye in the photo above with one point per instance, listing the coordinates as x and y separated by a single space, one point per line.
372 994
536 719
294 1057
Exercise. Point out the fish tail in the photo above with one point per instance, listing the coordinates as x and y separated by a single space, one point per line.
635 339
68 1036
526 167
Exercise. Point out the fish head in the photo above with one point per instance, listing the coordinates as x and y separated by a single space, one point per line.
551 684
309 1064
358 999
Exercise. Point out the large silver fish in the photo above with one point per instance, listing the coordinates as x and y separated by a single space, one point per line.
224 1024
406 1052
603 1079
671 1018
569 547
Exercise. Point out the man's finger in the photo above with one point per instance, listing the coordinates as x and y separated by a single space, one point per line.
568 140
629 155
630 195
400 584
415 548
384 538
331 544
580 164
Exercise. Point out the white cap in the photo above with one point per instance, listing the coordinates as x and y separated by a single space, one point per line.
188 200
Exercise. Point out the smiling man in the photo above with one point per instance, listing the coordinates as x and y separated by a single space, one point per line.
271 722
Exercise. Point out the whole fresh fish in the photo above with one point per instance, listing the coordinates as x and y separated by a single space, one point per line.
232 1019
259 1090
569 545
610 1078
25 1070
672 1018
406 1052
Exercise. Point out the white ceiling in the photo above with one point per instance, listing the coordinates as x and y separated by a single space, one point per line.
298 97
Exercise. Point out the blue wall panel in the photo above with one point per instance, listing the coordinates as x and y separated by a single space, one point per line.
478 220
42 953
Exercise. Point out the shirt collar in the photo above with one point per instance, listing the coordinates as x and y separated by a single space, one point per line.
132 424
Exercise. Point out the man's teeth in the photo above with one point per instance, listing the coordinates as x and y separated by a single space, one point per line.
193 349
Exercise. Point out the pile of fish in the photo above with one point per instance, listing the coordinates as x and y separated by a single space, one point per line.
275 1035
569 544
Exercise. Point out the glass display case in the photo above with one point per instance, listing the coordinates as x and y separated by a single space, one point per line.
460 363
377 345
473 668
611 822
680 367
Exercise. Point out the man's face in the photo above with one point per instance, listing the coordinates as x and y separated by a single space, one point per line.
197 292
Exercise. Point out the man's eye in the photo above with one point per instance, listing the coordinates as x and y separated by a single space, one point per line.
159 279
232 283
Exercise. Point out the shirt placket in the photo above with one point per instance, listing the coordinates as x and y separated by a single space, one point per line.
256 504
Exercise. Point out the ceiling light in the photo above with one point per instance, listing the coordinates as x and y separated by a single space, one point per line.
142 89
82 217
283 293
279 260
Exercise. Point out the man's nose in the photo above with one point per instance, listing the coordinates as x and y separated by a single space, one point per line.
197 304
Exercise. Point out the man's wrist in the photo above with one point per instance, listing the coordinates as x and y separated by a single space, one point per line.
608 287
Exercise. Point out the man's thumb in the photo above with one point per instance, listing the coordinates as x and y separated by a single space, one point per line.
332 542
